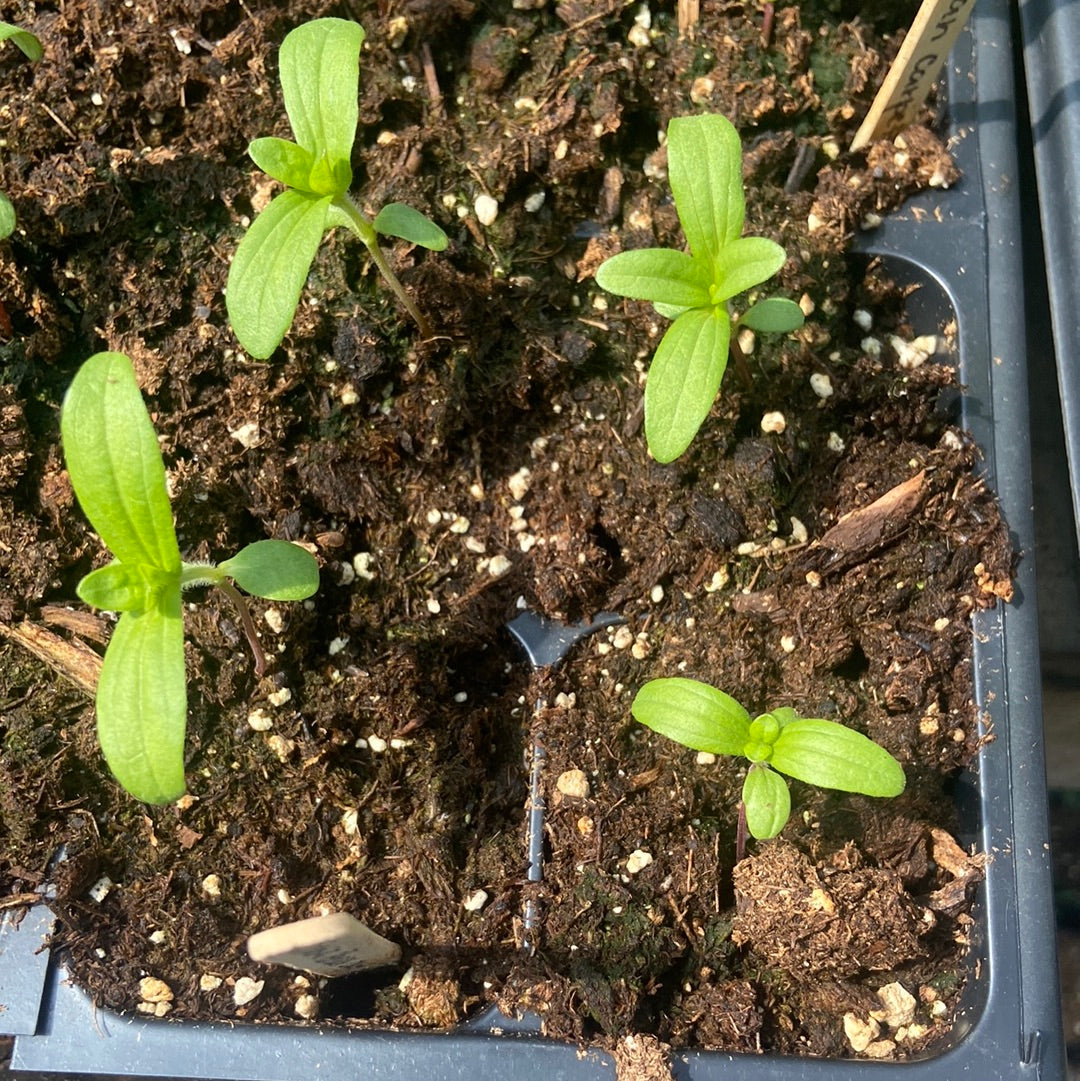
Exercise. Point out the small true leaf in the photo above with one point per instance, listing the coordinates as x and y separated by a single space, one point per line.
7 217
774 315
142 702
661 275
274 569
283 160
397 219
832 755
683 379
669 311
126 587
767 801
705 172
329 177
693 714
26 41
270 267
112 457
744 263
783 715
319 65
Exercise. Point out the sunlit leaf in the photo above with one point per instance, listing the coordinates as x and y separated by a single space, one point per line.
283 160
683 380
767 801
127 587
319 64
661 275
705 172
744 263
142 703
831 755
270 267
693 714
115 466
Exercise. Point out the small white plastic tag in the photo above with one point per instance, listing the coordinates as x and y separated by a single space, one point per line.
333 945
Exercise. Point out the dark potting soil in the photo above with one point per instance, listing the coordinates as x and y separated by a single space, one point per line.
830 564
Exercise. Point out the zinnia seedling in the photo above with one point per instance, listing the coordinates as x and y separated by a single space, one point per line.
819 752
31 48
320 74
115 466
695 288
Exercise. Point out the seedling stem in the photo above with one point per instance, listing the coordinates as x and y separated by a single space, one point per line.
248 624
359 225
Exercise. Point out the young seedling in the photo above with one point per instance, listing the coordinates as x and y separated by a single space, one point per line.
695 289
820 752
319 64
32 50
115 466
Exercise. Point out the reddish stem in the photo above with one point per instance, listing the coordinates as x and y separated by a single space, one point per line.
740 358
767 25
250 633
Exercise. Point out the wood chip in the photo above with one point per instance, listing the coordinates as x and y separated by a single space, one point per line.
73 660
863 530
964 867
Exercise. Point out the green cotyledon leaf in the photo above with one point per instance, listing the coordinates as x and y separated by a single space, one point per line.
112 457
7 217
142 702
773 315
27 42
274 569
400 220
692 713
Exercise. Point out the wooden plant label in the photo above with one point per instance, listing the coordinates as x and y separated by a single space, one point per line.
915 69
333 945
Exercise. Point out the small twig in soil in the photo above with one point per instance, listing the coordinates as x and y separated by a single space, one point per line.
740 834
75 661
591 19
688 15
431 78
800 167
59 123
767 25
680 919
19 900
716 878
